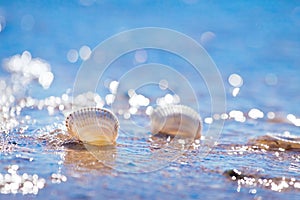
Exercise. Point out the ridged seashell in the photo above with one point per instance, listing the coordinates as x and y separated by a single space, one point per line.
176 120
286 141
97 126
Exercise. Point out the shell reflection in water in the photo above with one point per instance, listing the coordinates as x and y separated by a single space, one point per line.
176 120
83 158
96 126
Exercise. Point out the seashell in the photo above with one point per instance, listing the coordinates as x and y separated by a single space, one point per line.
176 120
286 141
96 126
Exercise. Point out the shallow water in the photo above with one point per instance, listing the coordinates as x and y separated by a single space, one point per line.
258 41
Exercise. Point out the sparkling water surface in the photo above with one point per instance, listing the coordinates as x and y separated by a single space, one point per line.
256 47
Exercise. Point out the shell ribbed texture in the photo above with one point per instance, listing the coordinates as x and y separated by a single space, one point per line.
176 120
93 125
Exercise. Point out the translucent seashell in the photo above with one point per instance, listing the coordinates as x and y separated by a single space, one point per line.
286 141
96 126
176 120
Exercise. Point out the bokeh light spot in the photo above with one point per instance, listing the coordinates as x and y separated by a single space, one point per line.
141 56
271 79
72 56
207 37
2 23
235 80
27 22
163 84
85 52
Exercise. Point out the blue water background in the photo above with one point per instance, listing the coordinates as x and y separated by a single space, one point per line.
252 38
